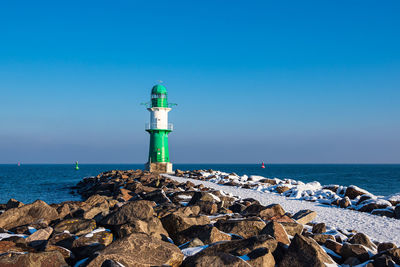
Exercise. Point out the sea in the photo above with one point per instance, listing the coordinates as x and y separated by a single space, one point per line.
52 182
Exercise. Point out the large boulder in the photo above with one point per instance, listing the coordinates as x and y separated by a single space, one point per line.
277 231
39 236
50 258
75 226
242 247
27 214
354 251
152 227
362 239
319 228
397 212
353 191
88 244
304 216
13 203
261 257
243 227
292 228
177 222
206 233
141 209
394 254
214 259
139 250
304 251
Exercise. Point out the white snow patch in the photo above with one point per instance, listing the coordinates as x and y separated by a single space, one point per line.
191 251
98 230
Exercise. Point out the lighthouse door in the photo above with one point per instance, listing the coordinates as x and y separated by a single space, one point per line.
159 155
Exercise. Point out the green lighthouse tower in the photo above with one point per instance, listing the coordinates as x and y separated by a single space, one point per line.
159 128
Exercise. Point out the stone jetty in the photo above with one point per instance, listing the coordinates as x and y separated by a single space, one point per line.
138 218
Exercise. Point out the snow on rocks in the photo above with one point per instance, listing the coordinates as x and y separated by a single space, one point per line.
351 197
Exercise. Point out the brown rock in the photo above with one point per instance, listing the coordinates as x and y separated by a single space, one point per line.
9 246
362 239
141 209
66 253
140 250
44 259
206 233
344 202
386 246
152 227
321 238
282 188
333 245
261 257
39 236
394 254
271 212
383 212
214 259
372 206
244 246
304 216
304 251
13 203
75 226
242 227
63 240
397 212
87 245
207 207
277 231
354 251
126 194
383 261
292 228
27 214
352 192
319 228
177 222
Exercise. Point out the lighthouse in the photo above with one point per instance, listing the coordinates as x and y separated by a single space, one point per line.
159 128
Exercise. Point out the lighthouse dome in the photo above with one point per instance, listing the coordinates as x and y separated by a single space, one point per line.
158 89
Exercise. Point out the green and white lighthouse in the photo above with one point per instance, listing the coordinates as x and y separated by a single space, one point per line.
159 128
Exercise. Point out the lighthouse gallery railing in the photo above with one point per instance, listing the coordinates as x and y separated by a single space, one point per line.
153 126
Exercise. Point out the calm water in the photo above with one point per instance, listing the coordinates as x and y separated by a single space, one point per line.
51 182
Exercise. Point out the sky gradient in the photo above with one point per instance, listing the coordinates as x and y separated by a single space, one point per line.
281 82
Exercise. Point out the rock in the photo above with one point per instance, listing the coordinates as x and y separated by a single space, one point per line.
126 194
304 216
386 246
261 257
177 222
39 236
272 211
204 196
27 214
214 259
140 250
353 191
141 209
282 188
344 202
66 253
242 227
152 227
50 258
362 239
87 245
333 245
277 231
397 212
63 240
192 243
13 203
206 233
383 261
75 226
158 196
292 228
319 228
207 207
237 207
321 238
383 212
9 246
304 251
354 250
244 246
372 206
352 261
394 254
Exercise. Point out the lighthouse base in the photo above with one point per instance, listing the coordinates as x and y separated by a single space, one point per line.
159 167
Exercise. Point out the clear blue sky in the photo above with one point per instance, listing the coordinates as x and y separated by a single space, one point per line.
279 81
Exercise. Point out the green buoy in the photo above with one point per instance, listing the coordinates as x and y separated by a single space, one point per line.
76 165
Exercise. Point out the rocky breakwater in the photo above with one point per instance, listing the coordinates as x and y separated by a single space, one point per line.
136 218
347 197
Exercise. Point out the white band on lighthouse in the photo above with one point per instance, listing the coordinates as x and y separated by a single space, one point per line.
159 117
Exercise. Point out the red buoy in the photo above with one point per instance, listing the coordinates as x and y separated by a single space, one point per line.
262 165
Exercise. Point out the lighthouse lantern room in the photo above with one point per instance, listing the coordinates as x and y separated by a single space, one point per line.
159 128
